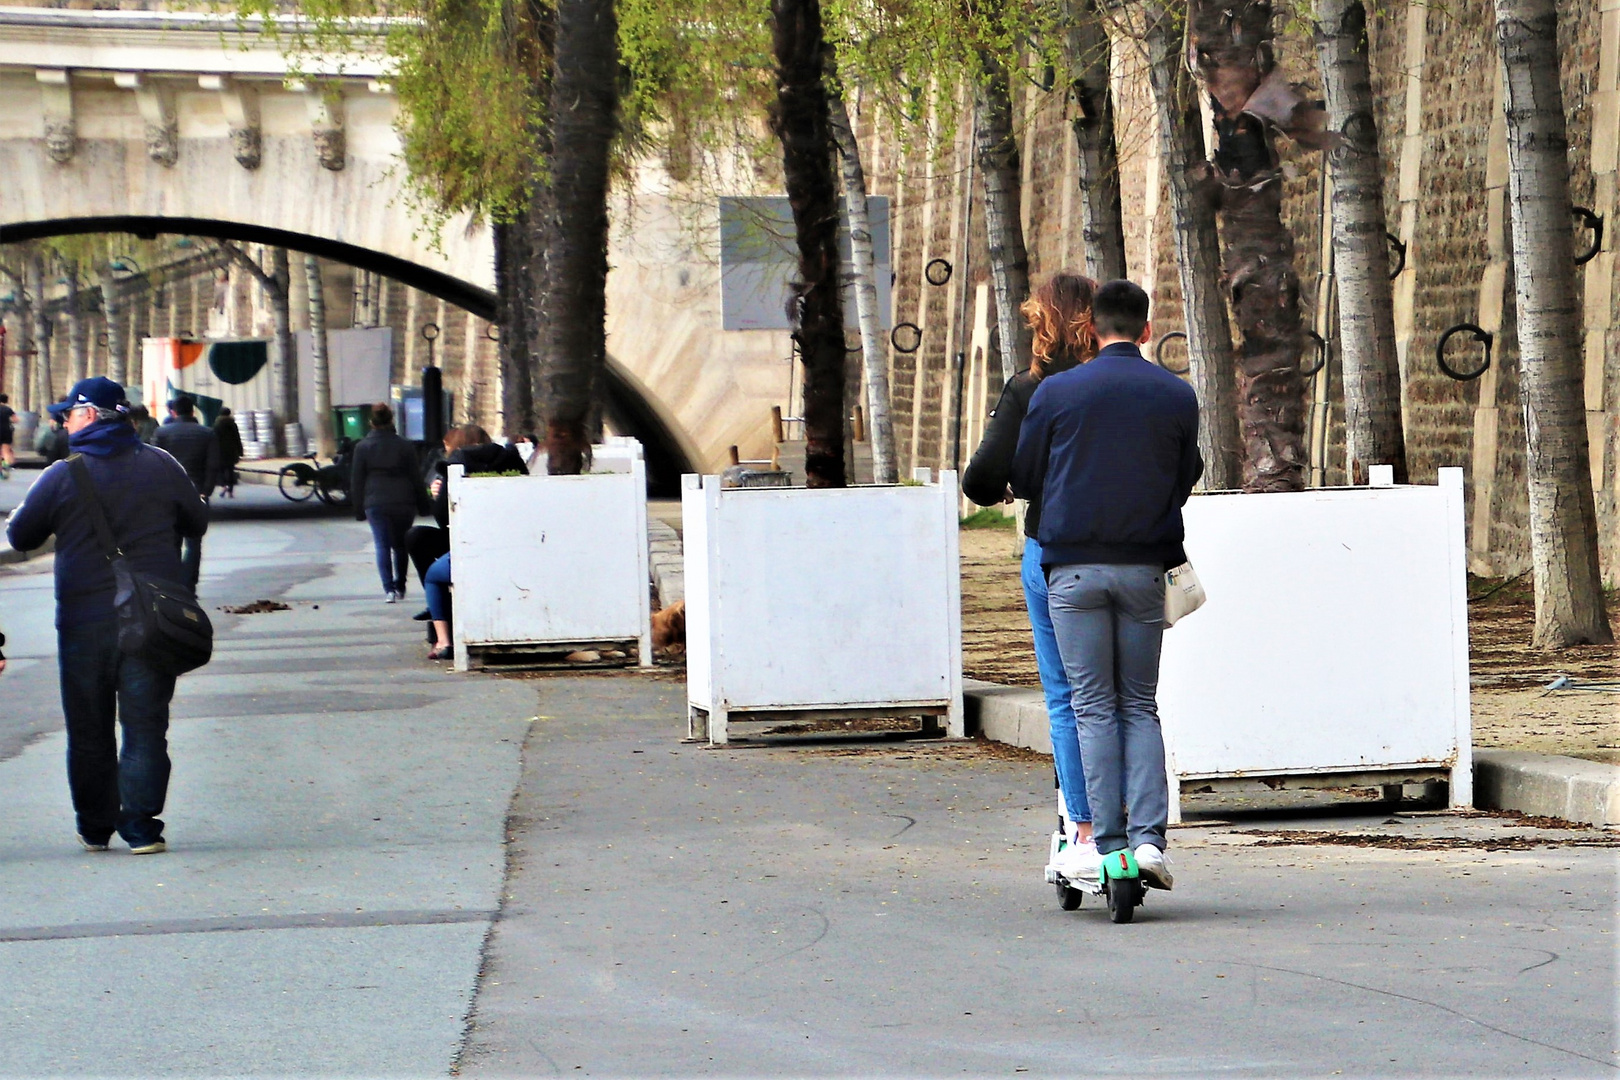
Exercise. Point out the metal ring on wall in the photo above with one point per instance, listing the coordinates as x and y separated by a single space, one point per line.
1592 221
1321 354
493 331
916 332
938 271
433 327
1400 254
1158 352
1483 336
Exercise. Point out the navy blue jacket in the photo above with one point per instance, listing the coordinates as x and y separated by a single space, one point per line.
195 447
150 504
1111 450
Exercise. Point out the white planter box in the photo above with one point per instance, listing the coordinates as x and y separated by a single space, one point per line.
842 602
1334 641
551 560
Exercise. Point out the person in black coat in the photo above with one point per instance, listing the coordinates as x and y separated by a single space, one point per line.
385 490
197 450
230 451
1059 313
480 457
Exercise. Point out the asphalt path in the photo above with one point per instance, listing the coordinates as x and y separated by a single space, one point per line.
853 910
335 822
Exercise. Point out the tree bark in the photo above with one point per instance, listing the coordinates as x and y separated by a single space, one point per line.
325 439
1232 49
1194 195
277 285
1089 56
584 121
799 117
112 310
1570 606
1372 374
39 386
999 170
512 303
77 328
874 359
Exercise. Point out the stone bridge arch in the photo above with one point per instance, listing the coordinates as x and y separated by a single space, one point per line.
152 122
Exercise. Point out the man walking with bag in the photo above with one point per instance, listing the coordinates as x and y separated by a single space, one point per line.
1111 450
149 504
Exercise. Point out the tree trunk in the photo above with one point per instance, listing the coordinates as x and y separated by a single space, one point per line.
880 426
584 120
512 304
1089 57
1194 195
1372 373
325 439
39 387
1232 48
78 330
1003 224
112 311
279 290
1563 519
799 117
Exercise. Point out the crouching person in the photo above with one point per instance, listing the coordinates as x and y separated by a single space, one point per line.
150 504
1111 450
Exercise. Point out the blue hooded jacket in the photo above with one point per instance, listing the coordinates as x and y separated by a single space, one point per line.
150 504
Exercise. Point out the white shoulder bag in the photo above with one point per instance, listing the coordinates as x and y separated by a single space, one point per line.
1183 593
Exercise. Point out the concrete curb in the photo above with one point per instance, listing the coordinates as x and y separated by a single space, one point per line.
11 556
1547 785
1543 785
665 560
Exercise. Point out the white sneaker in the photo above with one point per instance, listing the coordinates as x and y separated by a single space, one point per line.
1155 866
391 597
1079 863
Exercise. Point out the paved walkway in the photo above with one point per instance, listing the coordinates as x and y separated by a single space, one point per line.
676 910
335 818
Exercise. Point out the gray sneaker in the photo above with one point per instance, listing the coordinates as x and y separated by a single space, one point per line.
90 845
154 848
391 598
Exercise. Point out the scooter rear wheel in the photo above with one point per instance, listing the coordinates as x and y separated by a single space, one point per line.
1068 897
1123 896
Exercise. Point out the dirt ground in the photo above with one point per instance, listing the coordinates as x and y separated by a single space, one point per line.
1512 707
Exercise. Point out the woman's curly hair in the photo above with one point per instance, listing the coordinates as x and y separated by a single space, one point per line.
1059 312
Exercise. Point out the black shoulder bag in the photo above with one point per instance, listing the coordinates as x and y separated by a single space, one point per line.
159 621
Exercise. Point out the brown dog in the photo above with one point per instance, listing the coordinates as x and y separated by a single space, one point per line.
669 628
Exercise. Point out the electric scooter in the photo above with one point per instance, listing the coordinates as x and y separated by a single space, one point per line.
1119 880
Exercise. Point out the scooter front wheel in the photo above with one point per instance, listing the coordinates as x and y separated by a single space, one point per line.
1123 896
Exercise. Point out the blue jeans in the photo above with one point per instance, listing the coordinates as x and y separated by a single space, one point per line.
436 584
1059 709
389 525
1110 623
112 789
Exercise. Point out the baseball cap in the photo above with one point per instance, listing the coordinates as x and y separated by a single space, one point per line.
100 392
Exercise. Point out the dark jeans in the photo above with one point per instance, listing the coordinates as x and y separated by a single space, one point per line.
388 527
114 789
191 559
1109 622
